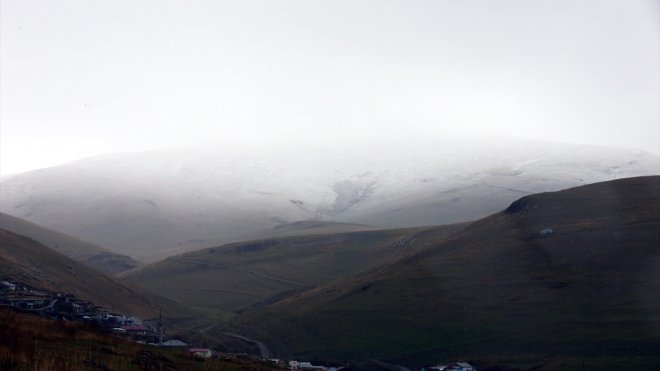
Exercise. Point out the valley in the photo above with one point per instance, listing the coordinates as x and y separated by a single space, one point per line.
556 279
244 276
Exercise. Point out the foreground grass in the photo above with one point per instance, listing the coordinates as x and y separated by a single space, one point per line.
32 343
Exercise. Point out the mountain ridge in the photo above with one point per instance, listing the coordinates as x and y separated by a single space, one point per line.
141 204
87 253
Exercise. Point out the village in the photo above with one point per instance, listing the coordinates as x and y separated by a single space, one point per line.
67 307
60 306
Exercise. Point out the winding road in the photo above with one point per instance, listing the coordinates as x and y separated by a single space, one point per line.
45 307
263 349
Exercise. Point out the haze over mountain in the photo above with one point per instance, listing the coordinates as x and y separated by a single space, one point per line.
144 204
87 253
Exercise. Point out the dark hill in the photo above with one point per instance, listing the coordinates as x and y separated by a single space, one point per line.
567 279
87 253
30 262
243 276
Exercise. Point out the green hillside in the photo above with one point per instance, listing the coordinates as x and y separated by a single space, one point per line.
584 295
308 228
244 276
299 228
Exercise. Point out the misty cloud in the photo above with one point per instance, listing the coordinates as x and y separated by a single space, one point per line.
81 78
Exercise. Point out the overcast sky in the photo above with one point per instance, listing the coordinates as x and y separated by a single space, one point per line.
79 78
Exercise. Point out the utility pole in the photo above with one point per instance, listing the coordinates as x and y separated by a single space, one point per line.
160 326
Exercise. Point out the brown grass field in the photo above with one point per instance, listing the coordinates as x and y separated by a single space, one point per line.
29 342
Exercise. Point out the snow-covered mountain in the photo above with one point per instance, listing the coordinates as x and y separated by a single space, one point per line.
152 204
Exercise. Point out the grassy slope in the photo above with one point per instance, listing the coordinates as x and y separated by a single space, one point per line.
585 295
31 262
300 228
31 343
246 275
308 228
90 254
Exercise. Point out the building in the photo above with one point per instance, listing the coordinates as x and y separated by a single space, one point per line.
173 343
137 330
201 352
460 366
8 285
